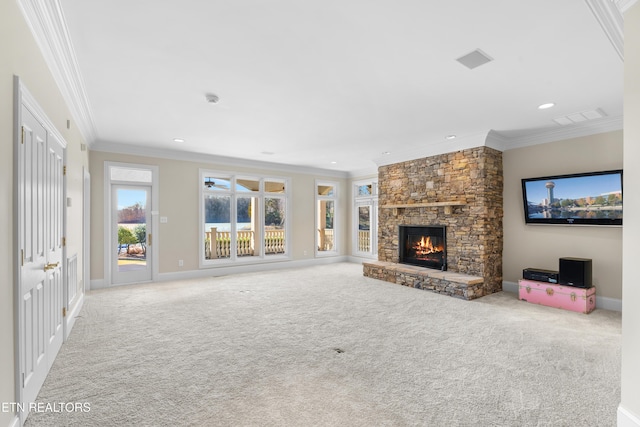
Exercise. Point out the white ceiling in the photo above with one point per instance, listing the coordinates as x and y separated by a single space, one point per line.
308 83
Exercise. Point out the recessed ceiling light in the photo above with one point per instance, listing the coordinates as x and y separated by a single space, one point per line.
547 105
334 163
450 137
386 153
268 153
178 140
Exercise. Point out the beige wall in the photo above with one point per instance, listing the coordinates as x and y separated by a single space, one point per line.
19 55
631 288
179 202
540 246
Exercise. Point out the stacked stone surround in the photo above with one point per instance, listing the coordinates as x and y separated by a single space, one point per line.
474 230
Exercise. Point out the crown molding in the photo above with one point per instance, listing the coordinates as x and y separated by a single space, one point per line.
609 16
31 103
624 5
497 141
491 138
433 149
363 173
608 124
48 26
46 21
135 150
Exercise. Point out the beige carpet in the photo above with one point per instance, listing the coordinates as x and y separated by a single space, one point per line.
325 346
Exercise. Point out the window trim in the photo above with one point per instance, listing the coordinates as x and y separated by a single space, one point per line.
368 200
234 194
336 223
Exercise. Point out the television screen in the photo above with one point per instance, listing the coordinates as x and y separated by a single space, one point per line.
593 198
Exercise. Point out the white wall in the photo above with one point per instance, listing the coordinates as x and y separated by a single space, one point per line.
540 246
630 403
19 55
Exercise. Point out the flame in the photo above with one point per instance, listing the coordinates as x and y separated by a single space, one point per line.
425 246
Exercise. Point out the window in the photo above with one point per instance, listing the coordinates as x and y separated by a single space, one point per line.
243 217
365 218
275 209
326 208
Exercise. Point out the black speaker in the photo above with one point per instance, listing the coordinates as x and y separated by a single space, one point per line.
575 272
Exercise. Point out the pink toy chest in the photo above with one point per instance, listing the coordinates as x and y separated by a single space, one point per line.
552 295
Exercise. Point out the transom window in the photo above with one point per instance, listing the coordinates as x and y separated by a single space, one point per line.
242 218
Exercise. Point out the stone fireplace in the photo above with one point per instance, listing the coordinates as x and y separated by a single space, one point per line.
460 192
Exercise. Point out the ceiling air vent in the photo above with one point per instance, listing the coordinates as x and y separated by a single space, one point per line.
580 117
474 59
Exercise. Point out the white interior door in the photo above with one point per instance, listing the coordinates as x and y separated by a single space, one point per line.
86 234
54 213
131 239
41 230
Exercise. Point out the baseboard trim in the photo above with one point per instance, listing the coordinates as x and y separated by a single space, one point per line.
359 260
248 268
234 269
15 422
73 314
626 418
96 284
604 303
510 287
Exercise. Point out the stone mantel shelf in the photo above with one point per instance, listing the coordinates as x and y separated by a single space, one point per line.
447 206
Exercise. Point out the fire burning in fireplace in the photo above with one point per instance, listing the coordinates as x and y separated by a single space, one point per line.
423 246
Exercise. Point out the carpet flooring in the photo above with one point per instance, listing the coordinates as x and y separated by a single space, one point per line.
325 346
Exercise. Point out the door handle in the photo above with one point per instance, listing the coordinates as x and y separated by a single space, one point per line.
48 267
149 240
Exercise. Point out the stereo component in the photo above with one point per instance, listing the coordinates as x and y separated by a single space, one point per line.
576 272
540 275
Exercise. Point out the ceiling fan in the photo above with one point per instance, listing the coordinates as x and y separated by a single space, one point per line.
209 183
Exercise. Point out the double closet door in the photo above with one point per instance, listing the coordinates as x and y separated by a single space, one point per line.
41 244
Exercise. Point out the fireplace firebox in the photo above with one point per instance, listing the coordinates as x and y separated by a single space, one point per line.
424 246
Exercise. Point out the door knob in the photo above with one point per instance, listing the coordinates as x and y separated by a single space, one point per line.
48 267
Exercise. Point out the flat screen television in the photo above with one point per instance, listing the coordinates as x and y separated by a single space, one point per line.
593 198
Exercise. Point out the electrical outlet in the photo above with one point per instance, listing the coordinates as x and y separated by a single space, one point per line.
305 252
180 263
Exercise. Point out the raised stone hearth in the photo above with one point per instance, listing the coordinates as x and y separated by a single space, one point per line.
443 282
460 190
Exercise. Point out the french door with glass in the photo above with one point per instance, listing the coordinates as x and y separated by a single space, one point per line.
131 240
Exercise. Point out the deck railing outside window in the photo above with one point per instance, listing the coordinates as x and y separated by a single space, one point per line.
218 243
364 241
326 240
